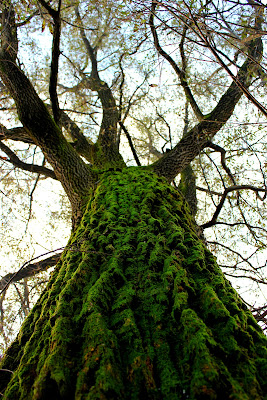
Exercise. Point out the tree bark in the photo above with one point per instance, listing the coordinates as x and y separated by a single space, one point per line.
76 176
202 134
137 308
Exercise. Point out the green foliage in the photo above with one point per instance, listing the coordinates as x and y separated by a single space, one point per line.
137 308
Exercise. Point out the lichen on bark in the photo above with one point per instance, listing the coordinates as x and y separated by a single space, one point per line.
137 308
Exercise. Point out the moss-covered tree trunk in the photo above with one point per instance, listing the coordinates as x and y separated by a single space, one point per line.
137 308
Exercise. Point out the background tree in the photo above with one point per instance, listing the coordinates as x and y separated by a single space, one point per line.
137 305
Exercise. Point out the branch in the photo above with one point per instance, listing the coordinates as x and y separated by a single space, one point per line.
187 184
108 130
48 8
208 191
201 134
29 270
257 280
260 314
54 66
31 197
13 159
75 176
239 255
239 83
255 50
55 14
187 187
9 38
190 146
27 20
18 133
81 143
180 73
220 205
168 126
221 150
130 143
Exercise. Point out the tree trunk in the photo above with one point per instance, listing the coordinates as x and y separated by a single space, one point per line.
137 308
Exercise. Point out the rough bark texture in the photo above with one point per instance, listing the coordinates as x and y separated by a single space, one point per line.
137 308
187 187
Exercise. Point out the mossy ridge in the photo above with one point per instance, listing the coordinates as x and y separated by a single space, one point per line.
137 307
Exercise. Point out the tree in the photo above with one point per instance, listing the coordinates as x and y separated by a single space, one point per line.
137 305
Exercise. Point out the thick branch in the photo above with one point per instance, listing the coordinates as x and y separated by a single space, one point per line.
55 14
18 133
80 142
54 66
221 150
107 141
187 184
74 174
255 50
200 135
191 145
48 8
110 113
13 159
9 39
239 83
29 270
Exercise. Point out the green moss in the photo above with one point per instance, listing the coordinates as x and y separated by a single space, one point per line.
106 157
137 308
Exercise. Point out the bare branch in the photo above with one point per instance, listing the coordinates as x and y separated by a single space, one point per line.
18 133
220 205
201 134
29 270
221 150
130 143
13 159
208 191
27 20
260 314
180 73
31 198
239 255
255 49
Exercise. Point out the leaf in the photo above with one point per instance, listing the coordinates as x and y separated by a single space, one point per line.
50 27
43 25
